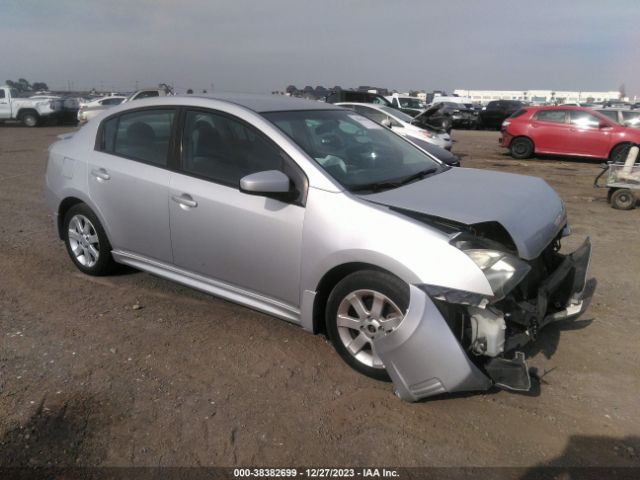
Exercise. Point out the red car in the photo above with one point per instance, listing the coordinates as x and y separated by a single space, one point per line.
573 131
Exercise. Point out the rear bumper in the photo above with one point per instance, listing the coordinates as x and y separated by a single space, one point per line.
424 357
505 139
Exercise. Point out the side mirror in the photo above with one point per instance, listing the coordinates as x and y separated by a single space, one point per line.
386 123
603 124
265 183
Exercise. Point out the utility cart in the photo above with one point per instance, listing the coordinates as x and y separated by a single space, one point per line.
622 180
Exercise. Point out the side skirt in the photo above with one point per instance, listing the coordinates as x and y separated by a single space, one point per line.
220 289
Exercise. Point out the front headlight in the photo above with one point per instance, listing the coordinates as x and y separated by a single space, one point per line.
503 271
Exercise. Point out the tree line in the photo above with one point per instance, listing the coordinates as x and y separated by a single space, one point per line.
22 85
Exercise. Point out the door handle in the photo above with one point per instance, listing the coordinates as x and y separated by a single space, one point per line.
184 200
100 174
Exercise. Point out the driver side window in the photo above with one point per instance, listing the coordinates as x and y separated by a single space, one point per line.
222 149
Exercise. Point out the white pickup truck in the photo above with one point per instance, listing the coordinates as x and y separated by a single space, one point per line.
30 111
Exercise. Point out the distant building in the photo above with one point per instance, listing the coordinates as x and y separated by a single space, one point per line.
537 96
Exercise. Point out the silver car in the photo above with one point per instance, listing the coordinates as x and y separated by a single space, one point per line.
431 276
400 123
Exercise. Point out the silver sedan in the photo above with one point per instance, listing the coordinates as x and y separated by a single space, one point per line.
430 276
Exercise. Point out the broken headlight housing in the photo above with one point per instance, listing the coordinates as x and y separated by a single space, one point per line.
503 271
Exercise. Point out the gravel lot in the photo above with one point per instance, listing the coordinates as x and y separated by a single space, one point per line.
132 370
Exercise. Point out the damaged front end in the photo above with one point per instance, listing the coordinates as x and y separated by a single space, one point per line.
451 340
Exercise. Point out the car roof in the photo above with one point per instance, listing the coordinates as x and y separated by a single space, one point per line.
265 103
558 107
363 104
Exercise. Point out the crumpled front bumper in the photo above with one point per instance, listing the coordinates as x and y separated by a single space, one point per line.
423 357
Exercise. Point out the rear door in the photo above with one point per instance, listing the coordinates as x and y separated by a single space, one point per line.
129 181
550 131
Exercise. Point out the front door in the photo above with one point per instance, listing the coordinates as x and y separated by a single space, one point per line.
247 241
587 136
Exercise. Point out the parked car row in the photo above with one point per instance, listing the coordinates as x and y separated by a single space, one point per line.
91 109
37 109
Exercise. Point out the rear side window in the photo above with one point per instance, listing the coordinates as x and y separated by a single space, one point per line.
142 135
1 93
630 115
611 115
371 113
148 94
553 116
112 101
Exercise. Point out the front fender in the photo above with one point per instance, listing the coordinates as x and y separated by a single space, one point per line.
340 229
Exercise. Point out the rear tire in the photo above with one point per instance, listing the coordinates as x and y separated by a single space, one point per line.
86 241
361 307
521 148
29 119
623 199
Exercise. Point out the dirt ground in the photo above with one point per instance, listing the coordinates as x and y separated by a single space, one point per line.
132 370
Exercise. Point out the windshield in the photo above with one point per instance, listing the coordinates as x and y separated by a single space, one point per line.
357 152
409 102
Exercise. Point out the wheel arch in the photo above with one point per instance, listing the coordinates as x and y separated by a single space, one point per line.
526 137
63 208
72 198
326 284
619 144
25 110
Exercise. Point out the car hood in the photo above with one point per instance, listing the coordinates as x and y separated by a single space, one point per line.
528 209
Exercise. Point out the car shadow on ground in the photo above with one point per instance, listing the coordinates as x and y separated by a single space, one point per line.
54 436
592 458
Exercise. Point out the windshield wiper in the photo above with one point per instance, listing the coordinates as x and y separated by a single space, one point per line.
417 176
379 186
374 186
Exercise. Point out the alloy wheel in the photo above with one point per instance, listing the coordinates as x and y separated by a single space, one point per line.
83 240
363 316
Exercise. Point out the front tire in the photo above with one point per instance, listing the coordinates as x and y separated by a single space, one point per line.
363 306
623 199
87 242
521 148
619 153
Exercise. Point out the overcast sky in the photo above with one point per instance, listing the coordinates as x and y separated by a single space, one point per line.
264 45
